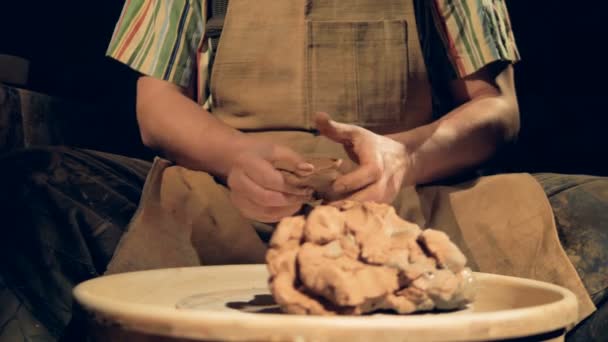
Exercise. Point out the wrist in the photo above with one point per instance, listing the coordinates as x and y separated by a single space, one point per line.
414 169
412 141
410 165
228 154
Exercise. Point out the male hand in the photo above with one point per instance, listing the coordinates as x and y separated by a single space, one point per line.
259 190
384 164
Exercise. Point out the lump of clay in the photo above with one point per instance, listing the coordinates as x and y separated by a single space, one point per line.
357 258
325 172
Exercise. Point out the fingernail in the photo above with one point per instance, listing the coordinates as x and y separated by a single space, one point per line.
306 166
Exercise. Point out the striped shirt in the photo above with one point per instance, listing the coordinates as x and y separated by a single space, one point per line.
167 40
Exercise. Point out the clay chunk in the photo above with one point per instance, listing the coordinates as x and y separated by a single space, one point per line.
354 258
325 172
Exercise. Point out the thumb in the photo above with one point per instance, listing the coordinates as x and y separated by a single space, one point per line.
338 132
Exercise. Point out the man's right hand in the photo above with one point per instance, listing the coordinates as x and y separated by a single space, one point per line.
259 190
173 123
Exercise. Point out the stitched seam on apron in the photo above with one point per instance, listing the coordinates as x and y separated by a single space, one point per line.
406 87
308 75
357 109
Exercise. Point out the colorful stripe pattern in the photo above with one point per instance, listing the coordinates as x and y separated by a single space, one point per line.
475 33
160 38
165 39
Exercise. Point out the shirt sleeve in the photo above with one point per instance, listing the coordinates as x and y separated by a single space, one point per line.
160 38
475 33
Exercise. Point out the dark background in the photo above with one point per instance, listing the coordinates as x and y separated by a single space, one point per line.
559 81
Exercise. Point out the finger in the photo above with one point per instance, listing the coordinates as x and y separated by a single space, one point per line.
259 213
266 176
361 177
241 183
371 193
290 168
287 159
338 132
377 192
248 209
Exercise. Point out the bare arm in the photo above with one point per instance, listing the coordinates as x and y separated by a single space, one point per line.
172 123
487 117
187 134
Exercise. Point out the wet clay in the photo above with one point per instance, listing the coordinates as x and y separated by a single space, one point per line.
320 179
355 258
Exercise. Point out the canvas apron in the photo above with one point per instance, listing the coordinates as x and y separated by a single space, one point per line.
280 61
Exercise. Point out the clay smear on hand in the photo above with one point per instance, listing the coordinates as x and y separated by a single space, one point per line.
361 257
325 172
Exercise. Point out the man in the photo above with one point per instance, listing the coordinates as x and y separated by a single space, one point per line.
279 67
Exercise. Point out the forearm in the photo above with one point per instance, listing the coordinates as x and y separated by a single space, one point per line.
183 131
461 140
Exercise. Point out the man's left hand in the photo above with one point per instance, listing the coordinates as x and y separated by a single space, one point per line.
384 164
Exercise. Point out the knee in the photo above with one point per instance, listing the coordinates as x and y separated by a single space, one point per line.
587 195
580 207
579 202
556 185
34 159
23 169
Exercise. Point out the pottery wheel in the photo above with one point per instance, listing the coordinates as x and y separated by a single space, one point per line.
233 303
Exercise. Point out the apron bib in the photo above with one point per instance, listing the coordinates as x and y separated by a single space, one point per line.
280 61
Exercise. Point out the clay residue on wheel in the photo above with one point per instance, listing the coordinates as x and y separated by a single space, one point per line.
356 258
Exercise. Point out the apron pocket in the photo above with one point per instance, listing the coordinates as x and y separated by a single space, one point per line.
358 70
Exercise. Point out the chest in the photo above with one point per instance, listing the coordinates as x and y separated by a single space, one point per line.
278 62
